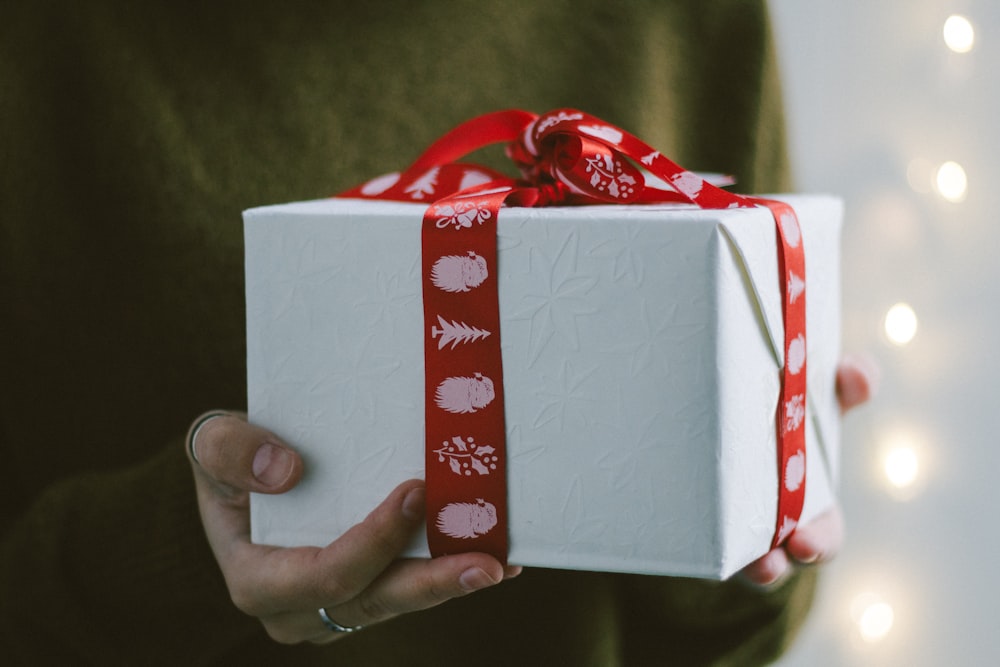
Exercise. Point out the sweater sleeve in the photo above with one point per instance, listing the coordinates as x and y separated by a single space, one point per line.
711 623
113 568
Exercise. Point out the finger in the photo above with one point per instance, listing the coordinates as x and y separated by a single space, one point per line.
241 456
857 379
768 569
415 585
405 586
293 579
819 540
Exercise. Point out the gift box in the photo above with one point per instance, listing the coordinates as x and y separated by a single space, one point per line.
642 352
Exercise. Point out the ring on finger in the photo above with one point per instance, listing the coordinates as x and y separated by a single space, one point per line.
333 626
196 428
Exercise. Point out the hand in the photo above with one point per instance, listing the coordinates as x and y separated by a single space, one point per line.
820 539
358 579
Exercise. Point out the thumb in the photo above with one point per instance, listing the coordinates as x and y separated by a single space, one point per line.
238 456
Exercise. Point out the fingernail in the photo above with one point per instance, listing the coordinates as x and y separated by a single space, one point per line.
413 504
272 464
475 579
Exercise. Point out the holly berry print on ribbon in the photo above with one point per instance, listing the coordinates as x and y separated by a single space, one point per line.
566 157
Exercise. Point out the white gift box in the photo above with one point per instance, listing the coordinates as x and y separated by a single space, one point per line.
642 353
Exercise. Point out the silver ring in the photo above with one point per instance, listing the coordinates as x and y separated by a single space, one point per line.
204 419
333 626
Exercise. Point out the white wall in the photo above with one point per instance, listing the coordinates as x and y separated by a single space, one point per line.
876 102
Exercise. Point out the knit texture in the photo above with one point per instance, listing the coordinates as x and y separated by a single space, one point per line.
133 133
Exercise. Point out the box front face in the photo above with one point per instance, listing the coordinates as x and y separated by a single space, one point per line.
609 332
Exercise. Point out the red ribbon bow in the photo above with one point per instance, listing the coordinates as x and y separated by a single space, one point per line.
565 157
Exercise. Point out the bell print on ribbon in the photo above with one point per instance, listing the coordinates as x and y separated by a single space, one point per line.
461 215
467 521
459 273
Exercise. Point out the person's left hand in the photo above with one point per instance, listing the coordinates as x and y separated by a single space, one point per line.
821 538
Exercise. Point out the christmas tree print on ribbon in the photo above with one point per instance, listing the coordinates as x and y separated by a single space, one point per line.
456 333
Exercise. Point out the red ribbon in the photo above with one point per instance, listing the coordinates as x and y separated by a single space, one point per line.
565 157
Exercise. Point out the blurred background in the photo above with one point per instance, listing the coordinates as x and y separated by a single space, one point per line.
894 105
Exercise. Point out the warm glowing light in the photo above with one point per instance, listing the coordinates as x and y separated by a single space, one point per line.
951 181
876 621
959 35
901 466
900 324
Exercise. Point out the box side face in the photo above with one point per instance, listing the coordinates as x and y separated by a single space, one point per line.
749 381
608 338
335 353
751 345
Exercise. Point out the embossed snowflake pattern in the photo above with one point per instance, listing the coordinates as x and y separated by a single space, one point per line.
625 253
557 299
465 456
567 393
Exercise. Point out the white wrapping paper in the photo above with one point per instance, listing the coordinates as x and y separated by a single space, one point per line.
641 351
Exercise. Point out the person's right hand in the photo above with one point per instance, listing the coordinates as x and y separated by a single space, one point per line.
358 578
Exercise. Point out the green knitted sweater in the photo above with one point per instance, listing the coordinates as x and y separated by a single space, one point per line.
133 133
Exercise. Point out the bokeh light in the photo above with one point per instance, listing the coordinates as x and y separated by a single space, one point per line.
900 324
873 616
959 34
951 181
901 466
876 621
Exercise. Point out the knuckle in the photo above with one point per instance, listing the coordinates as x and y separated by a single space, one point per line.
245 601
373 607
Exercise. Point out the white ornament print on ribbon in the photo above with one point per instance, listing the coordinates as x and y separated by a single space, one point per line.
649 159
461 395
549 121
797 354
464 456
472 178
796 286
606 174
609 134
787 526
461 215
424 186
795 472
790 227
795 413
687 184
459 273
467 521
380 184
456 333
